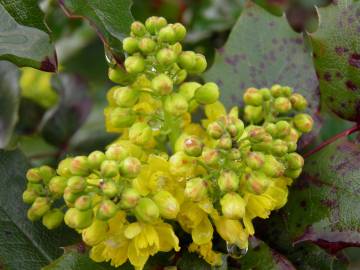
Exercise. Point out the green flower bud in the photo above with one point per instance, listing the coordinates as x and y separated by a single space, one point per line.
272 167
154 24
282 105
83 203
29 196
180 31
228 181
193 146
79 165
292 146
38 188
256 182
109 168
118 75
129 198
46 173
283 129
167 34
134 64
207 94
116 152
187 60
76 184
166 57
286 91
235 154
270 128
294 161
293 173
147 45
77 219
253 114
57 185
253 97
125 96
233 206
279 148
255 160
39 208
303 122
167 204
95 159
187 89
196 189
95 233
70 197
122 118
138 29
130 167
107 209
53 219
140 133
276 90
225 142
162 84
200 64
176 104
266 93
298 102
33 175
64 167
211 157
110 189
258 134
130 45
236 130
215 130
180 76
146 210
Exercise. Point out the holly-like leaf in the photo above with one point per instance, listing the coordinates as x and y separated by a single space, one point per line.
60 123
336 46
24 37
9 100
23 245
111 19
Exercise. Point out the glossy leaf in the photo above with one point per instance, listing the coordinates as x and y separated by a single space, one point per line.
9 101
60 123
337 57
23 245
24 37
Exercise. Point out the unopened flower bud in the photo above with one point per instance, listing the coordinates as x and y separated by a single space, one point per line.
122 117
187 89
200 64
225 142
76 184
33 175
303 122
232 206
95 159
154 24
125 96
258 134
293 173
147 45
130 167
266 93
118 75
167 204
236 130
256 182
253 114
116 152
193 146
39 207
64 167
279 148
77 219
129 198
134 64
130 45
283 129
282 105
38 188
228 181
29 196
162 84
276 90
255 160
211 157
140 133
138 29
298 102
83 203
294 161
107 209
69 196
180 76
187 60
272 167
253 97
180 31
207 94
46 173
196 189
176 104
95 233
181 164
53 219
110 189
167 34
235 154
79 165
286 91
166 57
146 210
215 130
57 185
109 168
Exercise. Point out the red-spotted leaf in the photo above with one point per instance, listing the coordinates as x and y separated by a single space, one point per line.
336 46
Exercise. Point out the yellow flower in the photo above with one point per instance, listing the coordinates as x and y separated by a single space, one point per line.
231 231
210 256
213 112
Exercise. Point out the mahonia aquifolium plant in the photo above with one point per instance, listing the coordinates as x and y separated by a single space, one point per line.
166 171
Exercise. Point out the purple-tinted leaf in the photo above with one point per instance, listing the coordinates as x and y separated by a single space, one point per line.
60 123
336 46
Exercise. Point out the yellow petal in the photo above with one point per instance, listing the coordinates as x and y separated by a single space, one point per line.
215 110
132 230
120 256
248 225
96 253
137 259
168 239
203 232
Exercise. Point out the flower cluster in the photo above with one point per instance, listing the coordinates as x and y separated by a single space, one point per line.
166 171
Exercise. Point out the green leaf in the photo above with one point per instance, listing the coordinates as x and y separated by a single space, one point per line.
23 36
275 7
111 19
60 123
192 261
23 245
9 101
337 57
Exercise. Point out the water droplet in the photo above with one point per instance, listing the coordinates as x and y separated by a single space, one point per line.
234 251
155 124
110 59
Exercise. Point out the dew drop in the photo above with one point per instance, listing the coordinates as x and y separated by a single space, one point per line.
110 59
234 251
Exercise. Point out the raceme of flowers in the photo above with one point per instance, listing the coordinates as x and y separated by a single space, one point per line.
166 172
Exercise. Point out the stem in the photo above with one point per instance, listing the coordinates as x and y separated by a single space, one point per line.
332 139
